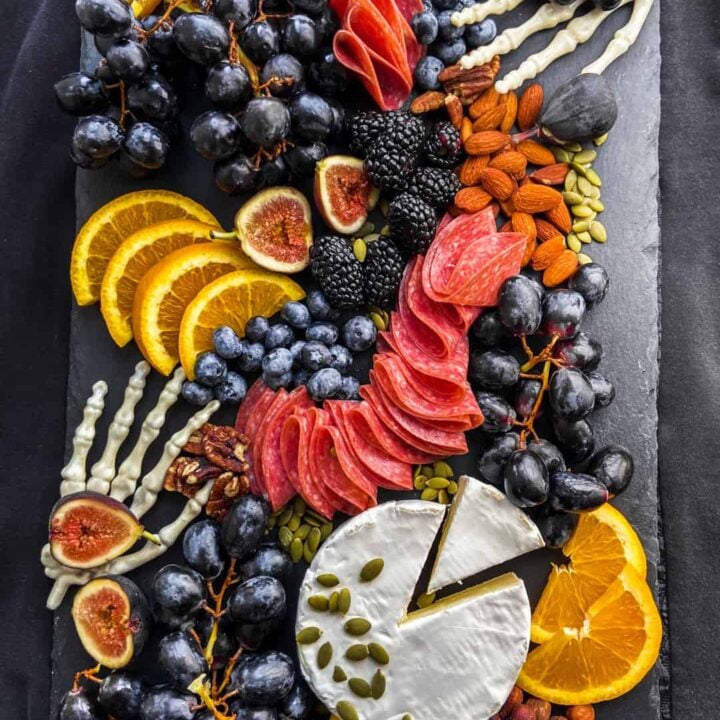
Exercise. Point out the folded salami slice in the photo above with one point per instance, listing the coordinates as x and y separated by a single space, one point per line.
262 398
354 470
258 392
258 438
390 10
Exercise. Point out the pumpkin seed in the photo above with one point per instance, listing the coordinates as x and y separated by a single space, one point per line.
594 192
378 653
360 249
339 674
318 602
372 237
311 521
366 229
581 170
584 237
592 216
347 711
570 180
598 231
285 537
452 487
294 522
313 540
372 569
561 155
285 516
429 494
270 523
594 178
325 530
427 471
584 259
597 205
333 601
296 550
378 321
360 687
581 211
438 483
309 635
584 186
357 626
416 471
420 482
384 207
442 469
574 243
277 512
315 515
324 655
299 505
377 685
573 198
600 140
443 497
425 600
302 532
580 226
574 147
308 553
585 157
328 579
385 317
344 600
385 230
356 653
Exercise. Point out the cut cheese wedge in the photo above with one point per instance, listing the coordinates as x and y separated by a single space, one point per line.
458 658
483 529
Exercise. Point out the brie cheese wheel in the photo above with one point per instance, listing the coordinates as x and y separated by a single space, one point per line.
483 530
457 658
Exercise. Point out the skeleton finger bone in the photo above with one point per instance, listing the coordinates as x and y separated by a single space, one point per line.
478 12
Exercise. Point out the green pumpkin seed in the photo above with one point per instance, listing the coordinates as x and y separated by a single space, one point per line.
572 198
356 653
570 180
344 601
585 238
420 482
378 653
271 523
328 579
428 471
371 569
347 711
443 497
360 687
425 599
360 250
308 553
308 635
314 514
325 530
594 178
378 321
377 685
581 211
314 538
573 147
581 170
294 522
318 602
357 626
585 157
561 155
372 237
580 226
339 674
385 317
299 505
384 206
324 655
296 550
584 259
594 193
584 186
333 602
438 483
597 205
366 229
452 487
285 516
311 521
303 531
600 140
285 537
598 231
574 243
442 469
429 494
385 230
416 471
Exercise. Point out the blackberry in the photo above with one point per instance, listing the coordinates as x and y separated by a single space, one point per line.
435 186
338 272
364 128
384 265
443 145
389 170
412 223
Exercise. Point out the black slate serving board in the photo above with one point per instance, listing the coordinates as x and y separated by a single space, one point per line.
626 323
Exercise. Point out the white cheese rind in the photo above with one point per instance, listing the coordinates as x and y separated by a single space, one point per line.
483 530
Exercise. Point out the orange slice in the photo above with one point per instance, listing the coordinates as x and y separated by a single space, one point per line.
168 288
607 655
602 544
103 232
231 300
135 256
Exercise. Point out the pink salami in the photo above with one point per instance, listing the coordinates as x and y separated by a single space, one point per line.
253 422
258 438
258 392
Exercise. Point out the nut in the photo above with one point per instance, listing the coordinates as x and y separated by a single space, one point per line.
545 230
486 142
514 698
490 119
524 223
530 106
542 708
194 444
536 152
427 102
228 487
499 184
225 447
559 216
487 101
472 199
513 163
537 198
554 174
561 269
472 168
581 712
455 111
523 712
466 129
511 109
188 475
548 252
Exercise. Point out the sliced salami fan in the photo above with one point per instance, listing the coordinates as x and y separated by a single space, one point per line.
257 440
262 398
259 392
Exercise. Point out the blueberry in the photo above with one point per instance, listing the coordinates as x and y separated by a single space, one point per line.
349 388
279 335
255 328
296 315
446 29
195 393
232 389
251 359
342 358
275 382
227 344
482 33
449 52
210 369
301 377
425 27
323 332
359 333
315 355
325 383
319 307
295 350
277 362
427 71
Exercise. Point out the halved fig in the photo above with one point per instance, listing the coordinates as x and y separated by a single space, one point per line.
275 229
88 529
344 194
112 619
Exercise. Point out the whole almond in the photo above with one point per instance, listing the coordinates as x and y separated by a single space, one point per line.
488 100
472 199
545 230
511 109
550 174
497 183
530 249
537 198
581 712
559 216
490 119
513 163
427 102
466 129
530 106
562 269
486 142
546 253
507 207
523 712
536 152
472 167
542 708
524 223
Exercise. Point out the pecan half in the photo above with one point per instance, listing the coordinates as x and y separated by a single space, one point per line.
194 446
468 84
187 475
228 487
225 447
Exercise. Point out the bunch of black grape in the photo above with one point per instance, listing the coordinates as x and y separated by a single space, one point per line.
219 611
269 72
531 356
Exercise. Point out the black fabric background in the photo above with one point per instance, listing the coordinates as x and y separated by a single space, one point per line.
37 224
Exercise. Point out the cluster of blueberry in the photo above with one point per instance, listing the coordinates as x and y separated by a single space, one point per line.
447 42
317 360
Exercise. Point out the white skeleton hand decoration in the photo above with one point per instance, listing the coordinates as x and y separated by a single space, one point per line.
124 484
550 15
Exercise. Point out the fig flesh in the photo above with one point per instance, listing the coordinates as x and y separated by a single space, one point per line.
275 229
112 619
344 194
88 529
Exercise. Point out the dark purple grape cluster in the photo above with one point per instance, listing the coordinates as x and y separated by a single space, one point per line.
271 78
535 372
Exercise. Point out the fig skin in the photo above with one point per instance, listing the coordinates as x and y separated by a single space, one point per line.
138 626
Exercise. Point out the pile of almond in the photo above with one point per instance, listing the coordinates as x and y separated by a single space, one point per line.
520 707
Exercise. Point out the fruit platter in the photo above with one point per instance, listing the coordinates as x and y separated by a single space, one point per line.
361 407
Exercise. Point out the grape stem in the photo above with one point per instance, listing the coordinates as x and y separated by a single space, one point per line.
217 612
89 674
165 16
